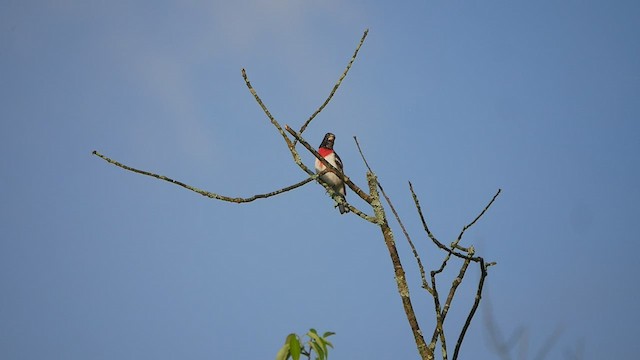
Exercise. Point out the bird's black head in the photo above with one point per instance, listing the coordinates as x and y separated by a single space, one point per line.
328 140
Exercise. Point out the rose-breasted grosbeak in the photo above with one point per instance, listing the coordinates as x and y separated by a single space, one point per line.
327 152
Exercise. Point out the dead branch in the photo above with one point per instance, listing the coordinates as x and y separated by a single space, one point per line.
475 220
467 256
425 285
476 302
401 281
266 111
237 200
335 87
433 238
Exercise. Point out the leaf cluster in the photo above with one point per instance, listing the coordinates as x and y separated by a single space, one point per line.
294 347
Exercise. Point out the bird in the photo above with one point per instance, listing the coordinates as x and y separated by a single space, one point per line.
326 151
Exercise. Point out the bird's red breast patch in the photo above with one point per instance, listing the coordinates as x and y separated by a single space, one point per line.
324 151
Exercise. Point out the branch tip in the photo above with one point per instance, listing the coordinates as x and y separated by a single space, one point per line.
337 84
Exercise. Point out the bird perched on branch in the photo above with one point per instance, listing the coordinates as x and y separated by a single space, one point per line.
335 181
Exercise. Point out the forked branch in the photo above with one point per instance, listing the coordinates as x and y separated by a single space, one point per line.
468 256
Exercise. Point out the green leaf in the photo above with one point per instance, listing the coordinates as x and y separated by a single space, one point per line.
318 349
314 336
325 336
326 343
316 339
283 353
294 346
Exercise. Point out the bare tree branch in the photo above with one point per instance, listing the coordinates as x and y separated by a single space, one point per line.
401 281
476 219
476 302
366 163
433 238
264 108
237 200
441 313
395 213
335 87
439 328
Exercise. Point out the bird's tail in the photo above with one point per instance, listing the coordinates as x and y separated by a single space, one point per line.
343 209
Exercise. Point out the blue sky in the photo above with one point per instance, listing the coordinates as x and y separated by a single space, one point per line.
460 97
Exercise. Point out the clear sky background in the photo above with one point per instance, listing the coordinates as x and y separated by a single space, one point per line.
538 98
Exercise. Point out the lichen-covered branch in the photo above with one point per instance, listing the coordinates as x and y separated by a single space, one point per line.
425 285
237 200
439 327
264 108
401 280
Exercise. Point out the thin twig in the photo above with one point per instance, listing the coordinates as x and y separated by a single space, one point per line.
362 155
439 328
264 108
454 286
425 285
433 238
444 264
477 217
476 302
335 87
237 200
360 213
290 145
